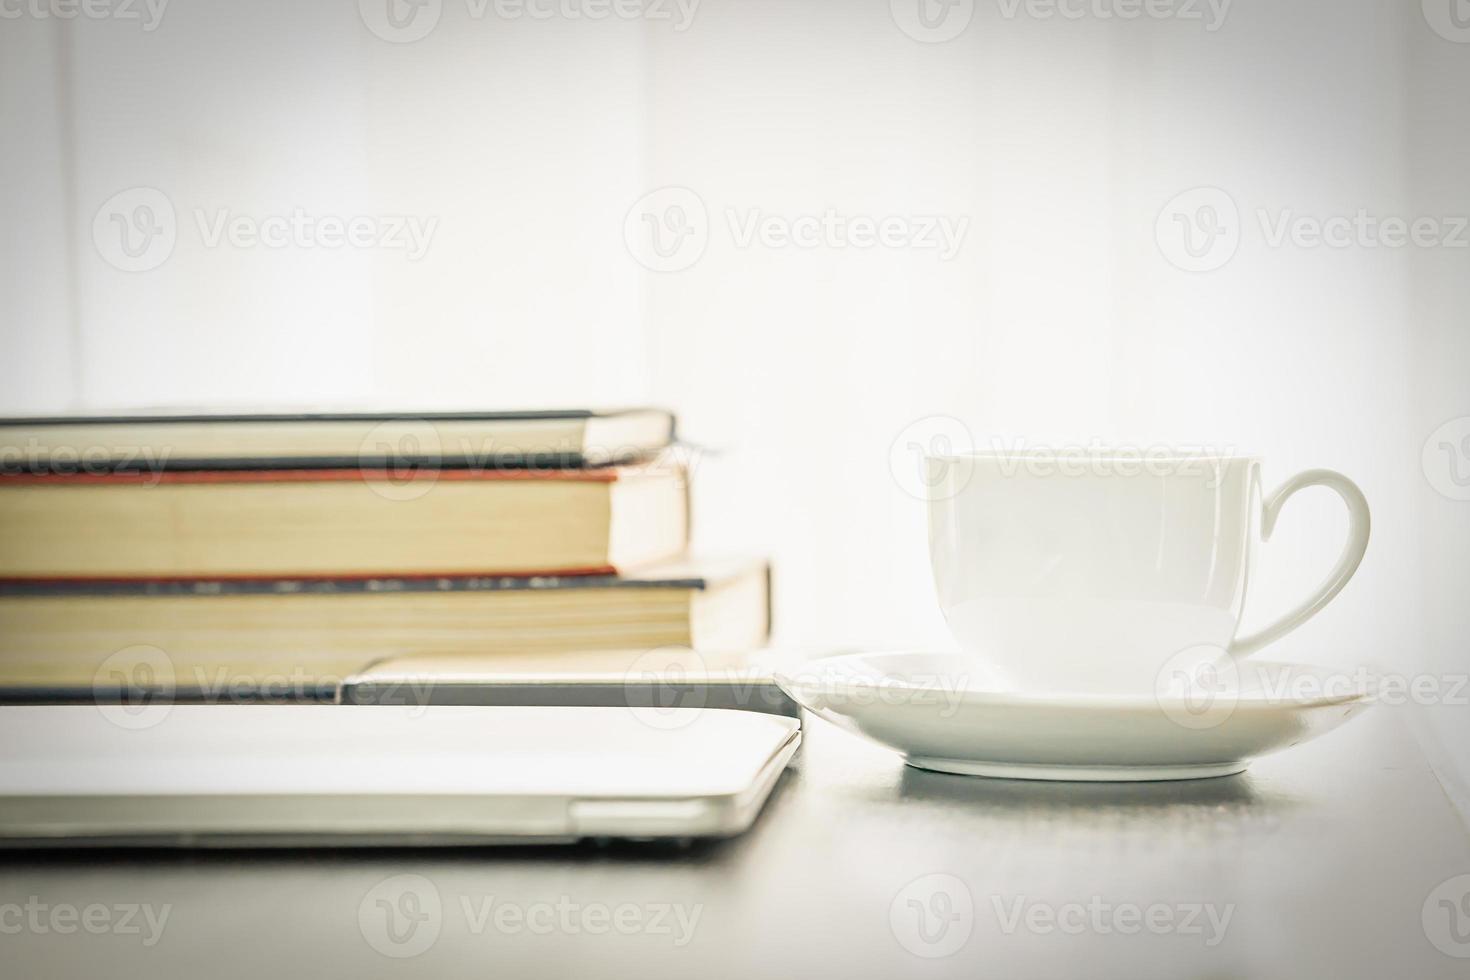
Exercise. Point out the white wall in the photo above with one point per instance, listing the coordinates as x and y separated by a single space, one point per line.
522 140
1436 154
38 342
1060 320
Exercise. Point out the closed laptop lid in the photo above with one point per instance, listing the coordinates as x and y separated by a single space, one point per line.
397 773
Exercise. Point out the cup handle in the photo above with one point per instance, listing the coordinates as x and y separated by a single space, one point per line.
1359 523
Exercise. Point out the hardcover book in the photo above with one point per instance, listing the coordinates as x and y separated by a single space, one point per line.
340 523
329 440
59 635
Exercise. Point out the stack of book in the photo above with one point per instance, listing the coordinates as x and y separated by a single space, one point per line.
270 552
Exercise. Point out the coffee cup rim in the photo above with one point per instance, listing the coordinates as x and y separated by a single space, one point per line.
1111 456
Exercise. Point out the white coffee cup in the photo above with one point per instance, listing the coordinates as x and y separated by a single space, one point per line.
1090 573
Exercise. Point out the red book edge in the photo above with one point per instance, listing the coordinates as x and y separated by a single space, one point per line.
404 476
61 580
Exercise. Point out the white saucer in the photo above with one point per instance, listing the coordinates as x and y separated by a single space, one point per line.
939 714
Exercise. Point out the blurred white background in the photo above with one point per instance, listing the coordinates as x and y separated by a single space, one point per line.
1055 137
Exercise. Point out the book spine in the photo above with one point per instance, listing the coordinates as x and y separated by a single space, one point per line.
602 578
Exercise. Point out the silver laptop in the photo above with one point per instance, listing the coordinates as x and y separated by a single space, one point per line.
291 775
